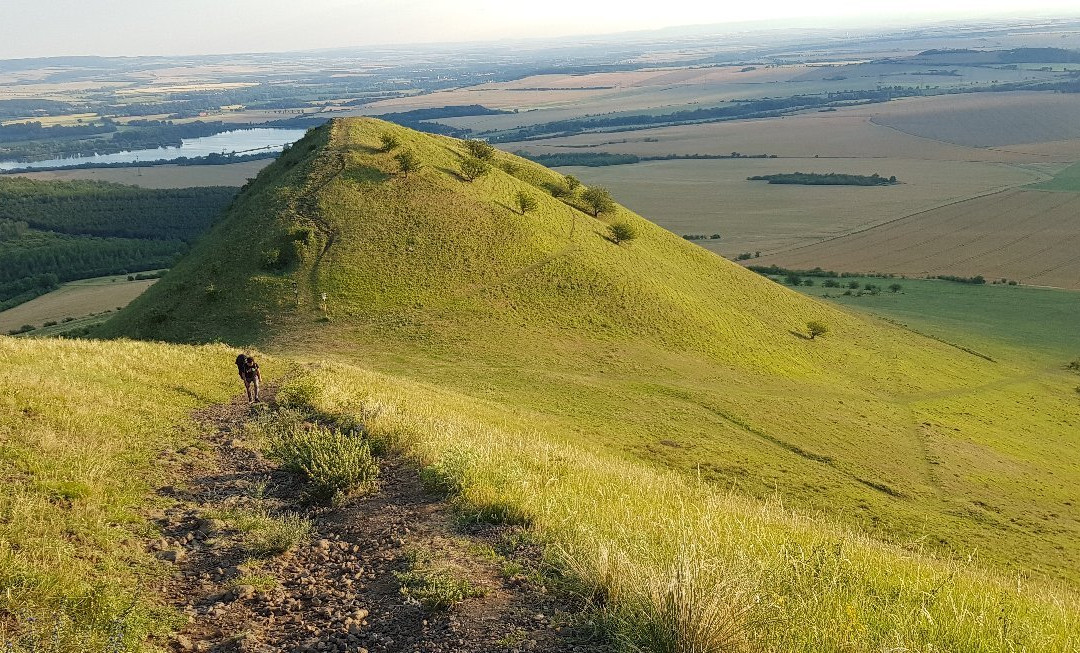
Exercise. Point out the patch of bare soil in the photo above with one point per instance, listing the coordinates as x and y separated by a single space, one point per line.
340 588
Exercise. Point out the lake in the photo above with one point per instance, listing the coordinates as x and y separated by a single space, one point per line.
238 141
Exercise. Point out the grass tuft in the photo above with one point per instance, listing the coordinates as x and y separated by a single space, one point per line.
435 586
335 463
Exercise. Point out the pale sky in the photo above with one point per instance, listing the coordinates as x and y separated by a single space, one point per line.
38 28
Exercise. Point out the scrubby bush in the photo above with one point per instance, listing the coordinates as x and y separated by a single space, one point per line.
895 287
815 329
622 231
334 463
525 202
572 183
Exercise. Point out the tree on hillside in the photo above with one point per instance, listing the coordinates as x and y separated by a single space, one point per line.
473 168
598 200
525 202
622 231
815 329
572 183
479 149
407 162
389 142
895 287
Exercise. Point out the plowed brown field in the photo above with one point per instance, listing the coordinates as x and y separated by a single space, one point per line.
1030 236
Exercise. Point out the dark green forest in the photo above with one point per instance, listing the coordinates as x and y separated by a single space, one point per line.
52 231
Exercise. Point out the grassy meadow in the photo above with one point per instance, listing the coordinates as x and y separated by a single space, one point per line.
654 351
82 427
704 475
74 301
995 318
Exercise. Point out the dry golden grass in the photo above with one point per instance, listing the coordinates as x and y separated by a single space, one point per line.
1028 236
843 133
76 299
707 197
168 176
986 119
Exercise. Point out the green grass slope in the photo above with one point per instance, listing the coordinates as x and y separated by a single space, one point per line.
652 350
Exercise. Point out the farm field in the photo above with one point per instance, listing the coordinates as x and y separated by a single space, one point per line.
993 319
1024 235
714 196
847 132
76 299
1066 180
986 120
167 176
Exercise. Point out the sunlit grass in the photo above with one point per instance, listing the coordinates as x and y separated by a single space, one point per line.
674 564
81 424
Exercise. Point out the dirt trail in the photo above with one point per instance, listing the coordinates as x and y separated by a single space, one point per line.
337 591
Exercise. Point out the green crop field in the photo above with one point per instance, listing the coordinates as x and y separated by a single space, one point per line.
1066 180
989 318
658 416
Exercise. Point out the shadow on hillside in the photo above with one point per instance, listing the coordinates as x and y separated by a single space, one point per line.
365 174
191 393
363 149
508 207
800 335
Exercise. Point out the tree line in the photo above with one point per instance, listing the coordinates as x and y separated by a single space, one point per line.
52 231
825 179
96 208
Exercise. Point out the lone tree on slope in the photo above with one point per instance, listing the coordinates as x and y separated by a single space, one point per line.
389 142
815 329
473 168
479 149
524 202
407 162
598 200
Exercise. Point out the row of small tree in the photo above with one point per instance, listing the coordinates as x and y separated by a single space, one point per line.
477 163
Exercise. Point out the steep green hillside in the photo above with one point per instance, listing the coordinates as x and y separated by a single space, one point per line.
653 349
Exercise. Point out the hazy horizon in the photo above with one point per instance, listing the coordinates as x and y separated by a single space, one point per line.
32 28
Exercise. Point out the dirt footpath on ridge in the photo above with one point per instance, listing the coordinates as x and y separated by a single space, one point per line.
337 589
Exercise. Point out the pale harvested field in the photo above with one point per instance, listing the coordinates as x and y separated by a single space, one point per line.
1029 236
846 133
544 98
76 299
50 121
987 119
167 176
714 196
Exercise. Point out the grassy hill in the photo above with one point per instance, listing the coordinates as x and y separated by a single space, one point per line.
654 354
654 350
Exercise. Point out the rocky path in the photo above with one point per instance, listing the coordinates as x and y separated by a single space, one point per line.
338 588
